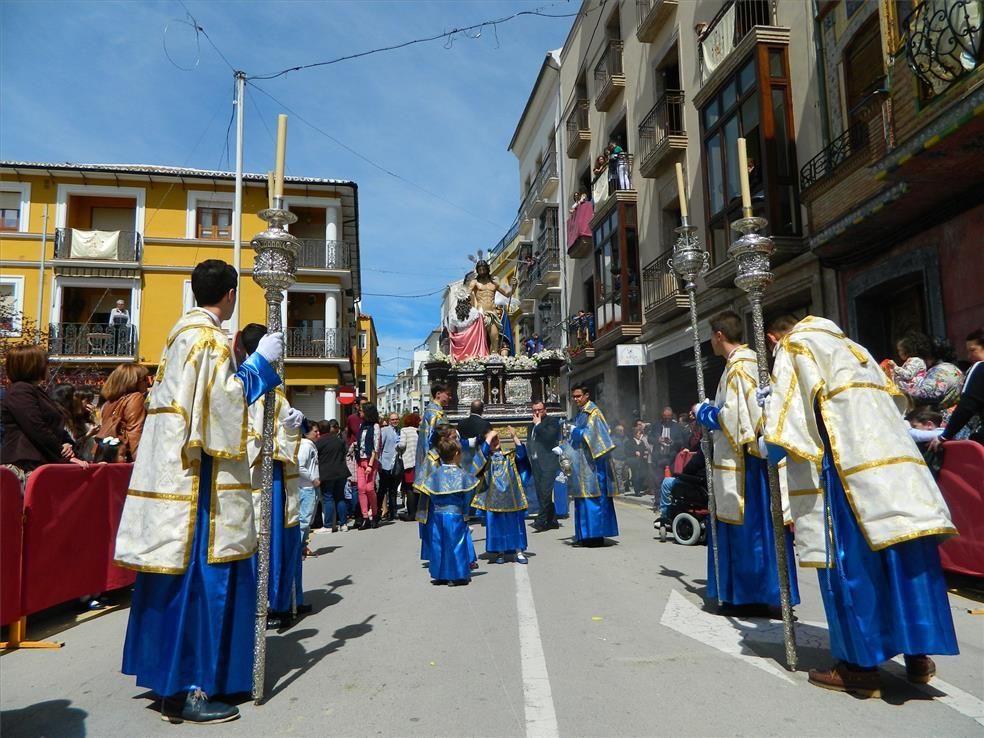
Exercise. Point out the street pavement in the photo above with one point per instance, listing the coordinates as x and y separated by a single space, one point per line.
581 642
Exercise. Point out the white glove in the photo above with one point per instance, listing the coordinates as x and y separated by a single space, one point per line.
271 347
762 394
763 448
558 450
294 417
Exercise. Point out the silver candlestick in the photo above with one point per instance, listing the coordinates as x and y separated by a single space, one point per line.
690 261
751 252
273 270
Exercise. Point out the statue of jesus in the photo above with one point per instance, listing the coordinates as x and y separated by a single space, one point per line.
482 290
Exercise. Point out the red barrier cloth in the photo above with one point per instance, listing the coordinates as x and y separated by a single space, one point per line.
962 482
11 514
71 516
579 222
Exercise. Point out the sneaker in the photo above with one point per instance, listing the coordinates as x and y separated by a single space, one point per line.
521 558
500 559
198 709
344 528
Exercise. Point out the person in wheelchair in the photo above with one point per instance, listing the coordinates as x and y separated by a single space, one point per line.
685 492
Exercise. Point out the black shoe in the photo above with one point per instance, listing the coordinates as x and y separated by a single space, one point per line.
539 528
365 524
274 621
197 709
554 526
374 524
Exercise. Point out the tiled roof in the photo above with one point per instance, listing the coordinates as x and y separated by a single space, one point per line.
165 171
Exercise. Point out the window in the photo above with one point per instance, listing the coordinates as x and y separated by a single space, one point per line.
616 269
214 223
15 200
363 340
11 305
864 70
754 104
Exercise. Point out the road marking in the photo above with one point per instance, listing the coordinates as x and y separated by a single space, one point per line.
733 636
541 718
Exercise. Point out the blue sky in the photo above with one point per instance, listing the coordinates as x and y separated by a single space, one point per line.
91 82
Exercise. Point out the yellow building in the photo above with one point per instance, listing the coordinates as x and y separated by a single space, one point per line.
77 239
366 357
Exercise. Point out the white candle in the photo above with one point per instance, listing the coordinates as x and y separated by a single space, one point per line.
270 188
278 173
746 192
681 190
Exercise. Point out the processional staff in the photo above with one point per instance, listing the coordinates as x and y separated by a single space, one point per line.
690 261
751 252
273 269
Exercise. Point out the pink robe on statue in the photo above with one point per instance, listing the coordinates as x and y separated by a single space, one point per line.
470 342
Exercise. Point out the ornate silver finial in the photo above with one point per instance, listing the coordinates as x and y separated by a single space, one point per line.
752 252
690 259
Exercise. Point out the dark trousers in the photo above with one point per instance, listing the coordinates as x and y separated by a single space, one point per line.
543 477
388 483
333 503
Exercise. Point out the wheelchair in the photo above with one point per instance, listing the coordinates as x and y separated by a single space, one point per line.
687 516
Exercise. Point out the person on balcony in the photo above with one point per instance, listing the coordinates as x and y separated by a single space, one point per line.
33 426
119 315
187 526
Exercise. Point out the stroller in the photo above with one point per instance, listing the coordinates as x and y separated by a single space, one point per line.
688 513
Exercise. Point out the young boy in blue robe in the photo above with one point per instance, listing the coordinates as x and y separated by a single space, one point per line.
502 501
449 541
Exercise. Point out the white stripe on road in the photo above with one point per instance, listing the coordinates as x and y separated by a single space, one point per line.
541 719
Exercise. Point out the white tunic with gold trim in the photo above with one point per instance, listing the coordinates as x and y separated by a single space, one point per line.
891 491
740 419
286 443
196 406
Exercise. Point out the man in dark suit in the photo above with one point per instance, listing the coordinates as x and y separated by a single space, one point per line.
541 437
474 426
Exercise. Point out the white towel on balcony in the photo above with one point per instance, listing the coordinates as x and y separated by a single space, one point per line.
95 244
719 42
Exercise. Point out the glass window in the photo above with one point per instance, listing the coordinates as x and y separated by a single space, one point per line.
782 135
10 203
215 223
715 175
746 78
711 113
731 136
777 66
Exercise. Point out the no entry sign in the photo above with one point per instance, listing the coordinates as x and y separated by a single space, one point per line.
346 395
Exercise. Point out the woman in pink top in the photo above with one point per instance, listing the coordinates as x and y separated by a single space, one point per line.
367 456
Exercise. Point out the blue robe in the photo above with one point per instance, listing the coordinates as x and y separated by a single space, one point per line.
593 491
880 604
450 542
205 615
747 552
285 549
426 463
502 501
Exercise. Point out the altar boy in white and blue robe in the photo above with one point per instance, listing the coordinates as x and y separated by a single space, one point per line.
286 591
749 574
593 485
501 499
187 524
448 487
869 516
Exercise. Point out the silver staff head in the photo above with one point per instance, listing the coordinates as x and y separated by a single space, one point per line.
751 252
689 259
276 251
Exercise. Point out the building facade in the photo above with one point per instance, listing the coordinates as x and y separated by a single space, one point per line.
78 239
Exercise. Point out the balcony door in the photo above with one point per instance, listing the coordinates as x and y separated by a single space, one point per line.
81 324
310 319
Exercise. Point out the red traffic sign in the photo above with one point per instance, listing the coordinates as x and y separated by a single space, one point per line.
346 395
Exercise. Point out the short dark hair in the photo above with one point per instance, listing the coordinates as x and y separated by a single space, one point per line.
325 425
26 363
447 448
477 407
782 323
729 323
250 336
580 386
925 415
211 280
917 344
438 385
976 336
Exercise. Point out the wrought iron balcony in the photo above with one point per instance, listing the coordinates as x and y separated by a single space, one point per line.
307 343
662 296
661 132
318 253
92 340
578 130
612 186
609 75
842 148
545 270
652 14
944 41
74 243
545 184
